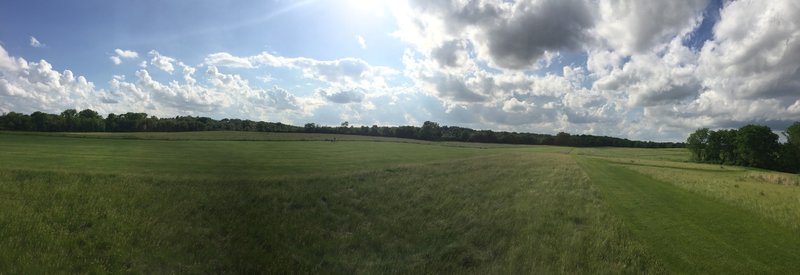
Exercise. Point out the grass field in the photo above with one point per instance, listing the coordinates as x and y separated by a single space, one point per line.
226 202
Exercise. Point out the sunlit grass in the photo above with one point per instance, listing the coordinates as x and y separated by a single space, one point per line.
689 228
224 203
145 206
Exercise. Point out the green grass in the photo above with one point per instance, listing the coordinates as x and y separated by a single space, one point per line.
746 220
202 158
227 202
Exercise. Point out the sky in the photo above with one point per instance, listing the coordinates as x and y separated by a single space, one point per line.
648 70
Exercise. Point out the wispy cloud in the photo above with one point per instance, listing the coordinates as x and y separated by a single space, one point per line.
361 41
36 44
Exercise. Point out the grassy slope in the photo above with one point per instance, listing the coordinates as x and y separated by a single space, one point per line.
109 205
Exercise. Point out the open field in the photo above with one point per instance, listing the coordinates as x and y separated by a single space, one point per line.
228 202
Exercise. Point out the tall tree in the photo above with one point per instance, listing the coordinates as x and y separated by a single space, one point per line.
727 146
696 143
793 134
757 146
713 147
430 131
789 159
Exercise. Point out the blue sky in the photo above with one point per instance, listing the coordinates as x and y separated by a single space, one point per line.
76 31
642 70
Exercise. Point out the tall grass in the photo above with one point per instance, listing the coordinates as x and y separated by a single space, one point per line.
217 204
372 208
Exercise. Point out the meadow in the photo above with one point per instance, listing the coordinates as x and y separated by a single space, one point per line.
232 202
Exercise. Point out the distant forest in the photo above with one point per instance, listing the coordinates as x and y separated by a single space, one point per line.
90 121
751 145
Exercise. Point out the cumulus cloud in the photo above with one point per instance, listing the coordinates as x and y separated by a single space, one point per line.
532 28
452 87
748 73
497 58
32 86
636 26
280 99
510 35
651 79
36 86
451 53
35 43
756 51
218 93
120 54
162 62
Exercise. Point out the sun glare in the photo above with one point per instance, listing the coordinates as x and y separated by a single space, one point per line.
364 7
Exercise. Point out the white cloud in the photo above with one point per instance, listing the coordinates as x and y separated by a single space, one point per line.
120 54
35 43
126 53
188 73
361 41
162 62
35 86
507 34
632 26
639 79
748 73
223 59
343 97
344 72
652 80
116 59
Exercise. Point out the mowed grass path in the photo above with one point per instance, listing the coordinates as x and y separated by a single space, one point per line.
693 233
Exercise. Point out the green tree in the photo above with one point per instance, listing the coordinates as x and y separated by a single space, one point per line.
792 134
727 147
713 147
90 121
789 158
310 127
16 121
70 117
696 143
430 131
563 139
757 146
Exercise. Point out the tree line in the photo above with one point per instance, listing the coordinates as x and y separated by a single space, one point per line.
750 145
90 121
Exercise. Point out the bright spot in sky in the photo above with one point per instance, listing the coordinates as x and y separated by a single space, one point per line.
373 7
